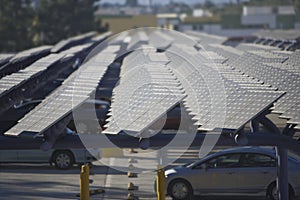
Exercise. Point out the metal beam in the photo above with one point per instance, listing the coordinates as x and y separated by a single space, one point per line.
282 173
157 141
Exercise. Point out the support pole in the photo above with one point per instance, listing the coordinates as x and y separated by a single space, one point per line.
161 184
84 182
282 173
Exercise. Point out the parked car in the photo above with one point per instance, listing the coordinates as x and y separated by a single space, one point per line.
247 171
61 158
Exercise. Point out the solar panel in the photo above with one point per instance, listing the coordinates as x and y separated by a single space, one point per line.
205 38
160 39
245 98
9 82
23 59
59 104
119 38
255 47
139 38
101 37
292 34
4 58
16 80
273 68
145 92
30 52
67 43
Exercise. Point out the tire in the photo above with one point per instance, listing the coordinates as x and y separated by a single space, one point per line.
180 189
63 159
272 192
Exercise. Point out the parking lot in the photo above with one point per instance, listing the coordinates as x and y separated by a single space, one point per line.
42 181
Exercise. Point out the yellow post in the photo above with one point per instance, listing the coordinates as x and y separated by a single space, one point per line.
161 184
84 182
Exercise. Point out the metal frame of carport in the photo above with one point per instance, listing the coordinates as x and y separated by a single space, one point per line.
281 154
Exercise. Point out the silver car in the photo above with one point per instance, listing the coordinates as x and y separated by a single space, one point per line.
245 171
61 158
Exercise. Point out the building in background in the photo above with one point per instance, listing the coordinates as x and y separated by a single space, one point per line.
236 21
117 24
269 16
168 20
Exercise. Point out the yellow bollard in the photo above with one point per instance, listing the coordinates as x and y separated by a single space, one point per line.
161 184
84 182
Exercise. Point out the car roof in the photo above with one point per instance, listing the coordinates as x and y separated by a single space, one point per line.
248 149
270 151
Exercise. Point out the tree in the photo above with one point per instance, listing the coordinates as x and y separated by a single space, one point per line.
297 5
15 25
27 23
208 4
58 19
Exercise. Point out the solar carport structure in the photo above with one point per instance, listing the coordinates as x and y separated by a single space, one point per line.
283 39
221 88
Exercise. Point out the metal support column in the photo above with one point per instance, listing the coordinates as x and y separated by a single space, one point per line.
282 173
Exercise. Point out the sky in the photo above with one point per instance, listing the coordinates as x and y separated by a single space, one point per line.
167 1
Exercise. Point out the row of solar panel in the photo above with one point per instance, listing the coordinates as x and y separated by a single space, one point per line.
193 74
146 91
272 66
283 39
213 87
73 92
10 63
279 34
14 86
238 97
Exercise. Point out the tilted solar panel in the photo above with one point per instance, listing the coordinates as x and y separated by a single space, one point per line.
72 93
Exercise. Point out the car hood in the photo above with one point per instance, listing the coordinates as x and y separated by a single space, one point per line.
174 170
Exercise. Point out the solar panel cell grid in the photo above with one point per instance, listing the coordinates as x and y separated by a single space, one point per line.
60 103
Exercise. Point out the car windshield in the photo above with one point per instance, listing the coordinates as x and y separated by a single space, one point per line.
294 157
195 163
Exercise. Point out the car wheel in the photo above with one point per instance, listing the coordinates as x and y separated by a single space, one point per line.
180 189
272 192
63 159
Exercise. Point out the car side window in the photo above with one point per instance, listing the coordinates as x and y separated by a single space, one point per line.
257 160
224 161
